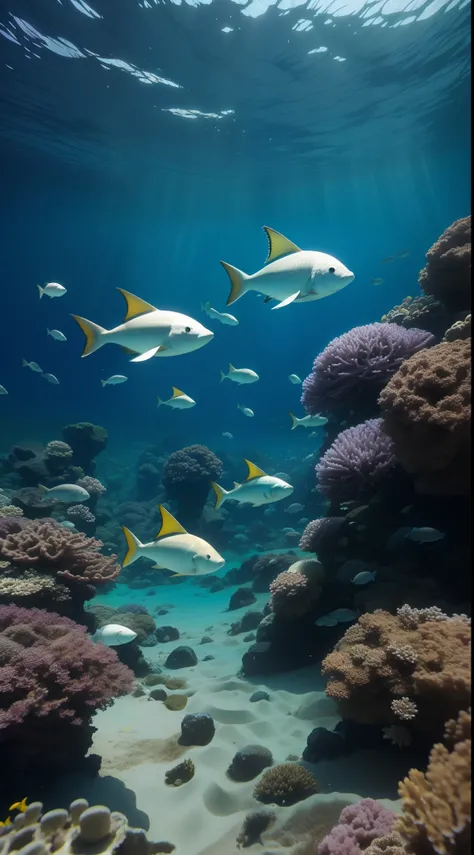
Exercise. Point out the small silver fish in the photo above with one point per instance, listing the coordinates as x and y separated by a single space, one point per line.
227 435
343 615
325 620
377 281
293 378
52 289
32 365
364 577
424 534
246 411
51 378
295 508
56 334
114 380
3 391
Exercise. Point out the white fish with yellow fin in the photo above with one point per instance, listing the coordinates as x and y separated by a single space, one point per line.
52 289
174 549
257 489
114 635
308 421
240 375
291 274
178 401
146 332
224 317
246 411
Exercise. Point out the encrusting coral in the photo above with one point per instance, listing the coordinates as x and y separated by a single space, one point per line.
436 805
80 829
369 670
357 462
285 784
52 679
447 275
426 408
353 368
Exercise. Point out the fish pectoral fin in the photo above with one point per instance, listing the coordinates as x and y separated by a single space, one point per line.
267 299
286 301
278 244
157 567
128 350
135 305
142 357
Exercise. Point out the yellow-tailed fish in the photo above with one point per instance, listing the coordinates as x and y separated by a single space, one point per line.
178 401
257 489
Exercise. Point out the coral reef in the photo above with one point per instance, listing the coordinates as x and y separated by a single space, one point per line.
426 408
447 274
294 593
52 679
81 829
322 533
369 670
436 805
248 762
423 312
87 441
459 330
357 463
359 825
353 368
180 774
253 826
187 477
285 785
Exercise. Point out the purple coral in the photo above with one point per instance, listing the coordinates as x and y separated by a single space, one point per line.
354 367
10 525
358 826
359 459
322 533
187 477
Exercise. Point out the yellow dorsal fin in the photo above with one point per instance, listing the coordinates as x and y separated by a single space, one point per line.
254 471
176 392
231 367
278 245
135 305
168 524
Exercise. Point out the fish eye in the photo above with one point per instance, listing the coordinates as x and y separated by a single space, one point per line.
208 557
332 270
187 329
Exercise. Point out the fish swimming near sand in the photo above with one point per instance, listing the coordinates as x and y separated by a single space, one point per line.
178 401
290 275
240 375
146 332
114 635
68 494
224 317
308 421
52 289
257 489
174 549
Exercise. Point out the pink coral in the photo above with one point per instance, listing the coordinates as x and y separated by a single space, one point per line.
55 549
358 826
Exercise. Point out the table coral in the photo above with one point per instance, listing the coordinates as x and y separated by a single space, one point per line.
426 408
366 675
447 275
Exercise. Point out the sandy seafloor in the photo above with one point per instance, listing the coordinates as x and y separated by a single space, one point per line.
203 817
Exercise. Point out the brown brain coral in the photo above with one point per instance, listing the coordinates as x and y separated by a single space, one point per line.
436 806
447 275
427 411
366 675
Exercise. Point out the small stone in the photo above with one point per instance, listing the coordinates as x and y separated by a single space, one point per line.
240 598
153 680
208 657
181 657
197 729
161 612
206 640
176 702
166 633
138 692
259 696
158 695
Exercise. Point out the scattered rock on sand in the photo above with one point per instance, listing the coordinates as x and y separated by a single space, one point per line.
259 696
240 598
166 633
206 640
181 657
249 762
158 695
197 729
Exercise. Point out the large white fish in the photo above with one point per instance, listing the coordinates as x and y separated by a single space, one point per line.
174 549
52 289
240 375
308 421
147 331
67 493
300 276
257 489
114 635
223 317
178 401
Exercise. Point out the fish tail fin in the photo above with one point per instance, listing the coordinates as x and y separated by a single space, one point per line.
294 421
43 490
24 363
220 495
103 383
223 376
94 335
41 291
133 547
160 402
238 282
48 332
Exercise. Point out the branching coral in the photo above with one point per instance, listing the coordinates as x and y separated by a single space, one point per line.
436 805
52 679
427 412
359 825
366 677
447 275
187 477
357 462
285 784
352 369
